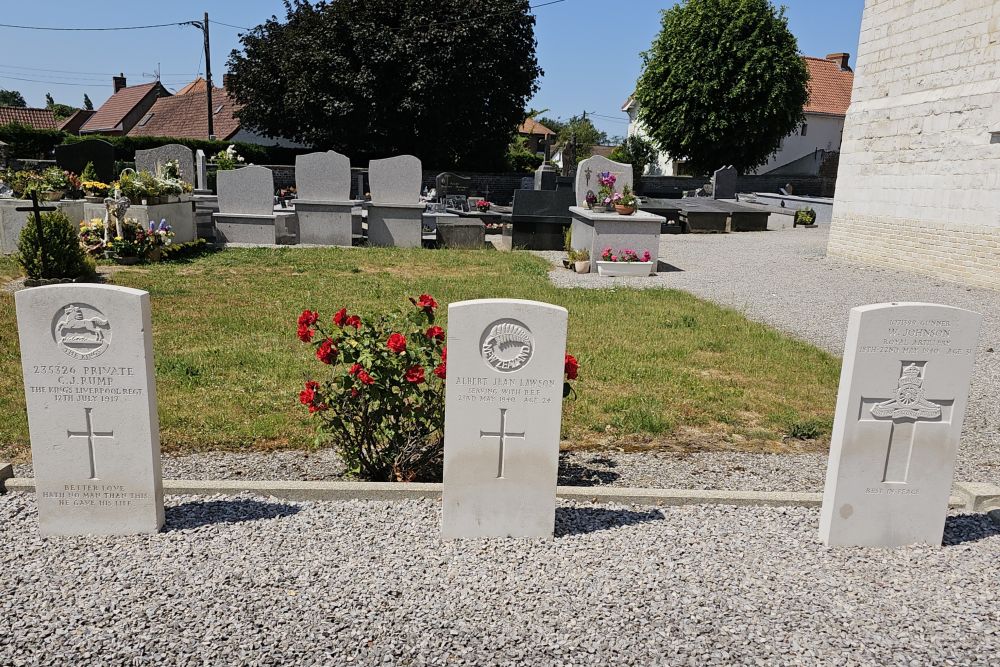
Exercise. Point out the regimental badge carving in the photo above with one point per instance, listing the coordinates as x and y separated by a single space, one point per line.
909 402
507 345
81 331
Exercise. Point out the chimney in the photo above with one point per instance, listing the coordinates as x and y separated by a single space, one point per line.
841 59
226 78
118 81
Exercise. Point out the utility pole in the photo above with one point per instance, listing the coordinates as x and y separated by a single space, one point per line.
203 26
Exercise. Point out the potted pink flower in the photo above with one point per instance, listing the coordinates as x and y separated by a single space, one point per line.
627 262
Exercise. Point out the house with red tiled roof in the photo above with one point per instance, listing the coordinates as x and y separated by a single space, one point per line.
125 108
820 134
40 119
185 116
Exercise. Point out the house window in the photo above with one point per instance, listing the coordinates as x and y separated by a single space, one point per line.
805 128
145 119
995 137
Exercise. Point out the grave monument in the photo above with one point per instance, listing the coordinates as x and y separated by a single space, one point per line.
395 214
323 204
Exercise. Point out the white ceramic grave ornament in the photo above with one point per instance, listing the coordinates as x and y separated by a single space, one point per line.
87 359
903 391
503 410
588 171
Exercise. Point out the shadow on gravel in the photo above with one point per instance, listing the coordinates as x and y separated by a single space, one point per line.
964 528
573 473
198 514
582 520
663 267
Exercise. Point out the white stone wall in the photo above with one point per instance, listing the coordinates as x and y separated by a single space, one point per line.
919 181
823 132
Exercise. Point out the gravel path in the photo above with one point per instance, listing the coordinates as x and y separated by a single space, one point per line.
240 580
783 278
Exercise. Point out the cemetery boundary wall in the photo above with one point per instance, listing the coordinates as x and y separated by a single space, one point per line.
919 185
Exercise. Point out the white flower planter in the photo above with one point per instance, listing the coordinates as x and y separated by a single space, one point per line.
632 269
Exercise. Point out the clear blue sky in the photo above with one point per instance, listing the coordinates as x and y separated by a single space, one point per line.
589 49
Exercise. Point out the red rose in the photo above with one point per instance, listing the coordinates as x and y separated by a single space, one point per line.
326 352
308 318
444 354
397 343
355 369
426 302
308 395
415 374
354 392
318 408
365 378
305 333
435 333
441 370
339 317
572 367
353 321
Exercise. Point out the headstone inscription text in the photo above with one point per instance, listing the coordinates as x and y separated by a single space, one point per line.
903 391
503 410
87 361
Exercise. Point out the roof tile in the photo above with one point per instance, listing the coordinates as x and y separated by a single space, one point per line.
829 87
184 116
113 112
40 119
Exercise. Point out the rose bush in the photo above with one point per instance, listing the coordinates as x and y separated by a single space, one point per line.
383 405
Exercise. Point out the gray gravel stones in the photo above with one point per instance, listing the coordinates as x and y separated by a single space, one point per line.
242 580
783 278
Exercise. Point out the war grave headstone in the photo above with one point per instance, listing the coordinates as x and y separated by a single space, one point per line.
724 183
395 213
90 391
323 199
74 157
153 159
903 392
588 171
503 409
246 209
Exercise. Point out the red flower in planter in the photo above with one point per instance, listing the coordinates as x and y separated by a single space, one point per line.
435 333
415 374
326 352
308 318
397 343
305 334
572 367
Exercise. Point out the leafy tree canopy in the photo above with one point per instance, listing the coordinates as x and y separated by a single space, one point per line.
60 111
446 81
581 132
636 151
723 83
87 104
11 98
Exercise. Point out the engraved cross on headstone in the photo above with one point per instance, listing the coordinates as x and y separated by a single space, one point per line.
90 434
901 414
588 172
502 435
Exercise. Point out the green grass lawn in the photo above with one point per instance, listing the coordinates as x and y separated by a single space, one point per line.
659 369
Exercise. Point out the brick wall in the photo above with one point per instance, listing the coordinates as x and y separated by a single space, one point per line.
919 179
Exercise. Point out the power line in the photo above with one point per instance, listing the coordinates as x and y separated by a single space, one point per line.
51 83
128 27
229 25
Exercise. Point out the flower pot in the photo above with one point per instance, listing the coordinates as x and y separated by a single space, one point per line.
567 264
612 269
155 255
52 195
624 210
582 266
94 199
600 208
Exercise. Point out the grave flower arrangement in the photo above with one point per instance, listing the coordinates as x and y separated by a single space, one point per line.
138 242
483 206
626 255
92 236
606 193
227 159
382 401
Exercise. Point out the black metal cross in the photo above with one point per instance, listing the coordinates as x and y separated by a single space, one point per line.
38 210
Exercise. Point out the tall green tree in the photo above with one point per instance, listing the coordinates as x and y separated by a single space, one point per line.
49 102
723 83
12 98
446 80
87 104
60 111
636 151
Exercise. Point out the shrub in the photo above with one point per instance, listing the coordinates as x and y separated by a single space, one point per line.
805 216
383 407
64 257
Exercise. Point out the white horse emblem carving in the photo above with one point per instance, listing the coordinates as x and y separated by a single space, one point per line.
79 336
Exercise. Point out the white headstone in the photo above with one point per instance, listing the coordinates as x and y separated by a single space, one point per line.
246 191
903 392
395 180
201 169
89 384
323 177
152 160
503 409
588 171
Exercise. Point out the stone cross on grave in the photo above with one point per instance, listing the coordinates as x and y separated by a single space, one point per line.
502 434
90 434
588 172
900 415
38 210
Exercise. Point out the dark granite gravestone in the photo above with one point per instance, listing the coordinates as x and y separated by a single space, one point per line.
74 158
539 218
724 183
447 184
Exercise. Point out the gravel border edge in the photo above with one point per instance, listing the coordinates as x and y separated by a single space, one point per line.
975 497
